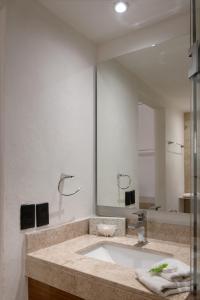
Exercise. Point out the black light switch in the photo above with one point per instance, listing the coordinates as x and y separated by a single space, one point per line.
42 214
27 216
129 197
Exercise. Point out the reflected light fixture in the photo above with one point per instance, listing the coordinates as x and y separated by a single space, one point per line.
121 7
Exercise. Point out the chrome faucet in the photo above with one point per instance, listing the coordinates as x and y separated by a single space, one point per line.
140 227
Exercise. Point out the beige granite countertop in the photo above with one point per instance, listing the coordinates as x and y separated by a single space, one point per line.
61 266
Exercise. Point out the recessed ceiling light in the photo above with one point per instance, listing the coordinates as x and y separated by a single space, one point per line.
121 7
153 45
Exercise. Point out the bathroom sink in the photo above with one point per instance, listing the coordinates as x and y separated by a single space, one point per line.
124 256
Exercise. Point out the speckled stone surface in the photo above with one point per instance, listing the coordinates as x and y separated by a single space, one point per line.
62 266
56 234
119 222
169 232
166 232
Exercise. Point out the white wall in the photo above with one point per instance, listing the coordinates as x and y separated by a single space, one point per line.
164 176
160 158
174 161
117 131
169 165
49 125
146 127
146 162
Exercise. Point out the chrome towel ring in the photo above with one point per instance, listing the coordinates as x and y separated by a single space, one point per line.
62 179
118 181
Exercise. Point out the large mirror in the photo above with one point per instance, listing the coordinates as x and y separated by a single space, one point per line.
143 129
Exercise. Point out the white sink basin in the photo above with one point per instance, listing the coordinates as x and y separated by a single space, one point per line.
124 256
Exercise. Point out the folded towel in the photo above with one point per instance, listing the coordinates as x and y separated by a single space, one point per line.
160 285
176 270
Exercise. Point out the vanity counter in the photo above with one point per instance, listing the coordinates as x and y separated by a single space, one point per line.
60 266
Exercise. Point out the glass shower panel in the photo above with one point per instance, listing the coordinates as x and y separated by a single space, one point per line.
198 186
195 38
198 154
198 150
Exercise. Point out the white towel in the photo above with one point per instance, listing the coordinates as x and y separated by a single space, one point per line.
180 271
160 285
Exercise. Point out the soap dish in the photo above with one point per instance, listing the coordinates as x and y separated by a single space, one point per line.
106 229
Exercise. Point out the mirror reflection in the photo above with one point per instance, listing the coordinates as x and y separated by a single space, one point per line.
143 129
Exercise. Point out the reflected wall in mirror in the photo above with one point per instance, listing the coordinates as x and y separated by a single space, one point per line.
146 156
143 129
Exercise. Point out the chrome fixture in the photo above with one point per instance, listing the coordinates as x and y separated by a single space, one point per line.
60 185
140 227
118 181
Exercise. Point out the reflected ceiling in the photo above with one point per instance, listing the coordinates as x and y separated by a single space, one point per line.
164 69
97 20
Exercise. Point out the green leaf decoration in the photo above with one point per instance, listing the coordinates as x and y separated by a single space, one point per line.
157 270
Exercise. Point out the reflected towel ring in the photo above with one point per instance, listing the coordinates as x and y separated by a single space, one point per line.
62 178
118 181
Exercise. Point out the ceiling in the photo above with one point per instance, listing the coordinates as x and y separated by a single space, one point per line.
164 68
97 20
